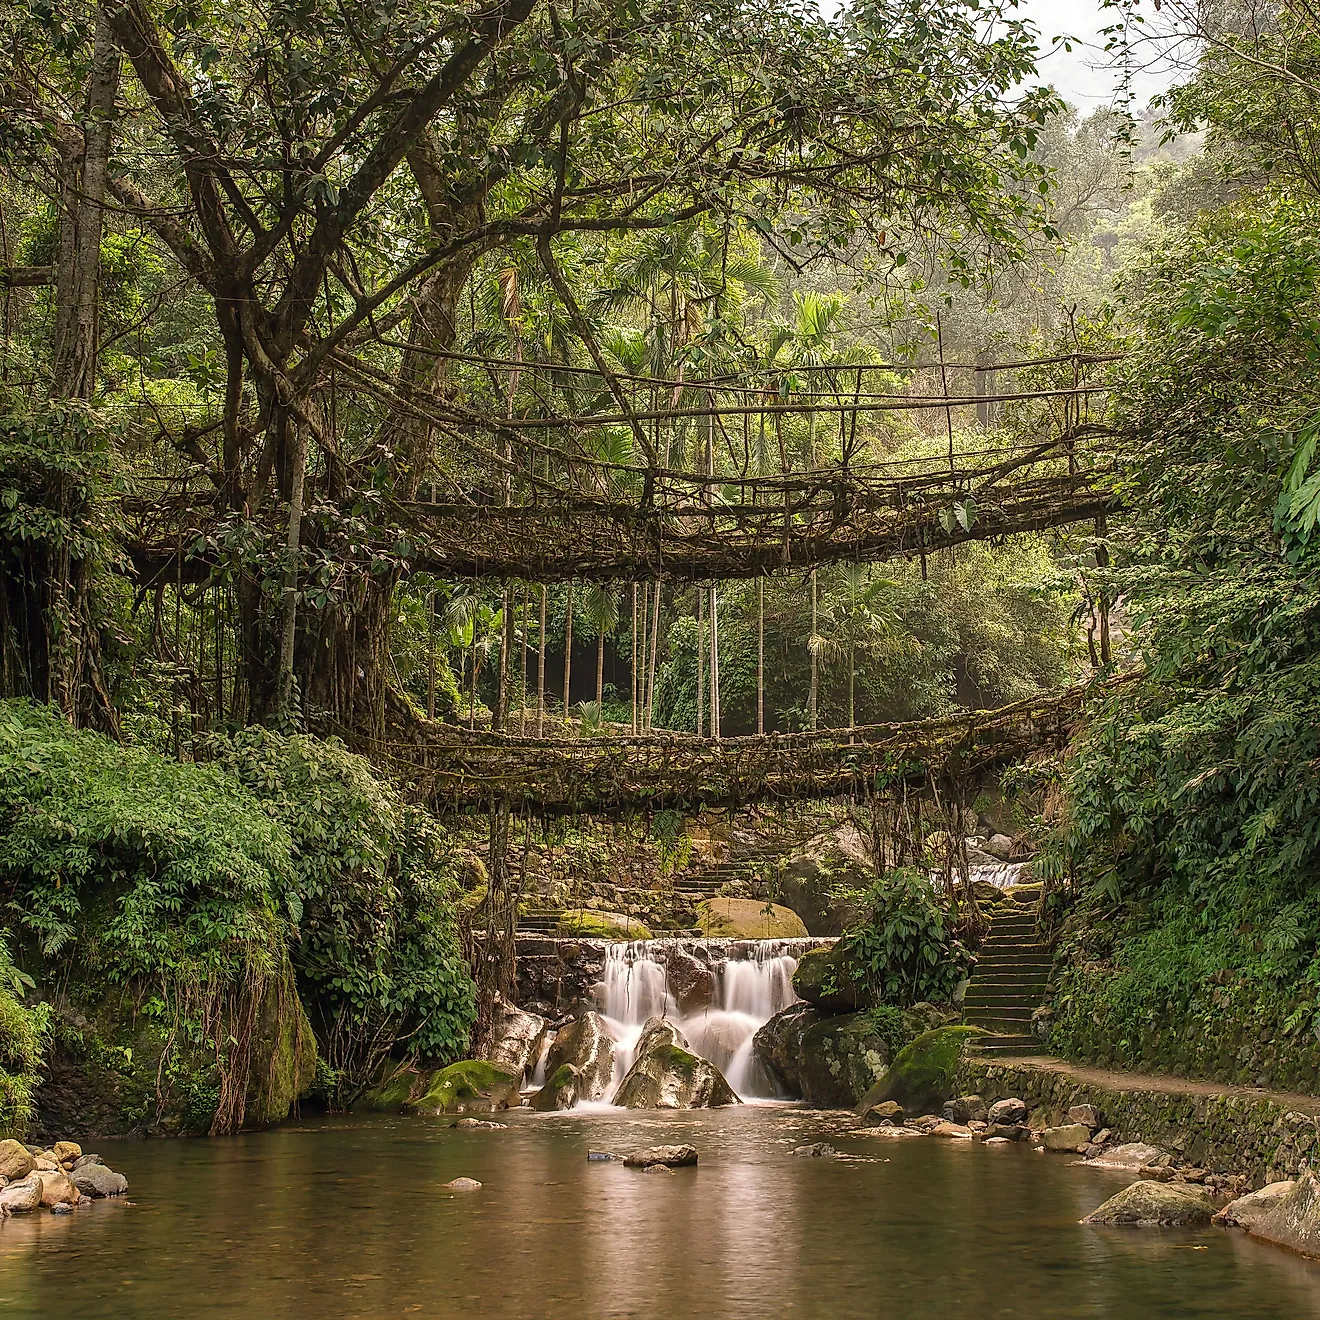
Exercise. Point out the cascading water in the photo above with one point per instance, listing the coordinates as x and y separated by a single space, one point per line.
718 993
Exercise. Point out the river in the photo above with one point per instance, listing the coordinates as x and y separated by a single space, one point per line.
348 1218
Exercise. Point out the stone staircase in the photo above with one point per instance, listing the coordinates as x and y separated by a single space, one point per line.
1009 982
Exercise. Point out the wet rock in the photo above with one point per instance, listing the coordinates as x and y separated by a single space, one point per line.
46 1161
748 918
515 1037
818 1150
1134 1155
667 1075
966 1109
591 924
586 1045
1074 1137
1248 1211
1011 1111
84 1160
831 1061
887 1112
97 1181
659 1168
562 1090
692 983
676 1157
1000 847
1149 1203
479 1123
1294 1222
1086 1115
463 1185
921 1078
601 1156
15 1160
20 1197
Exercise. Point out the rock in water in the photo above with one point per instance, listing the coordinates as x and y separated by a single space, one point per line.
1179 1205
1294 1222
667 1075
587 1046
562 1090
827 1061
1073 1137
515 1037
471 1087
1247 1211
818 1150
659 1168
96 1180
1133 1155
888 1113
691 983
1009 1112
20 1197
966 1109
56 1188
66 1152
16 1160
463 1185
676 1157
921 1077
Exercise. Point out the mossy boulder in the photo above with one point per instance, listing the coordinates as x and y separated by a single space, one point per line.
562 1090
824 979
667 1075
473 1086
1177 1205
591 924
923 1075
748 919
827 1060
283 1055
587 1045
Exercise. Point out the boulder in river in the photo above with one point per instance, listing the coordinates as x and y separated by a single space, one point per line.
966 1109
562 1089
921 1078
463 1185
818 1150
16 1160
588 923
691 982
1178 1205
1011 1111
675 1157
66 1152
471 1087
97 1181
20 1197
667 1075
748 919
56 1188
824 1060
587 1046
1247 1211
888 1113
1133 1155
1074 1137
1294 1222
515 1037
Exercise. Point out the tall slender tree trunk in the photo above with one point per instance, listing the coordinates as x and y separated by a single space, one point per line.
655 647
500 716
540 672
760 655
715 722
600 667
632 659
293 546
568 650
815 659
701 662
430 654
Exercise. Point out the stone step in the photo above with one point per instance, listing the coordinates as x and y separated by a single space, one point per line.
1010 1045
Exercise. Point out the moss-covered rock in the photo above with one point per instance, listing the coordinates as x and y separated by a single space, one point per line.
282 1062
924 1072
824 979
821 879
591 924
667 1075
826 1060
471 1087
748 919
562 1090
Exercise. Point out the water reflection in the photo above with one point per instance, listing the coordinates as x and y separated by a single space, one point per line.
348 1219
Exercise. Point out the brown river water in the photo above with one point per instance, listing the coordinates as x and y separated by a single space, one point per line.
348 1218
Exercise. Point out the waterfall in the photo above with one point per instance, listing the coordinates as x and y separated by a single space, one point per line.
718 993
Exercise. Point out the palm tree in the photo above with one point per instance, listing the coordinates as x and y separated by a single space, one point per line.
601 607
860 617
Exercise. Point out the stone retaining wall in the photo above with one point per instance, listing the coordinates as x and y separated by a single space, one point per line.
1223 1133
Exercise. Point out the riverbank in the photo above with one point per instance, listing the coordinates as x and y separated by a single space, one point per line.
1263 1135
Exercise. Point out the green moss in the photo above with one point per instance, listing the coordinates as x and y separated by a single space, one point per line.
563 1076
591 924
678 1059
392 1095
748 918
923 1074
473 1083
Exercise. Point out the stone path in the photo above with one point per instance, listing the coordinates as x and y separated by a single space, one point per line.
1126 1081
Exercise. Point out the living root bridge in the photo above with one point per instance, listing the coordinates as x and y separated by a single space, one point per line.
837 520
456 772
